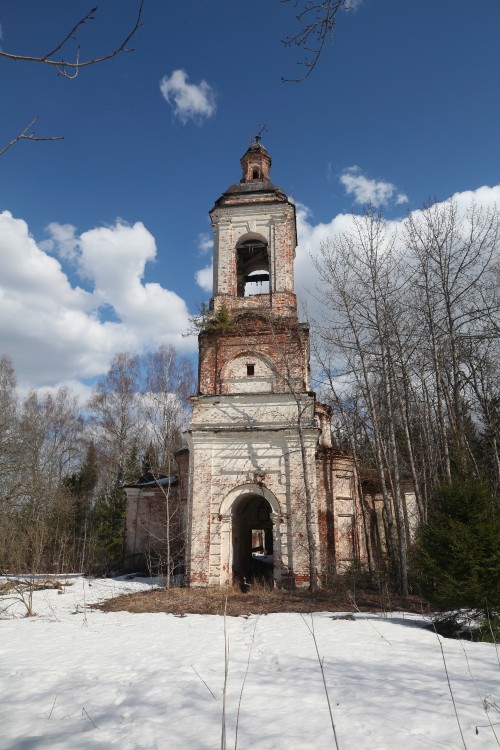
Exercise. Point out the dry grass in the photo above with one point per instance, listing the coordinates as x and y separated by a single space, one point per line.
26 582
259 600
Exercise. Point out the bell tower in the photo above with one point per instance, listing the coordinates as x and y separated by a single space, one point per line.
254 432
254 241
268 496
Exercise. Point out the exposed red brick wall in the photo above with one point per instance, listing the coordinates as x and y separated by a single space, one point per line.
146 524
284 345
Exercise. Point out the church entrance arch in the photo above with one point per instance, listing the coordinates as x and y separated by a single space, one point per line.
250 536
252 539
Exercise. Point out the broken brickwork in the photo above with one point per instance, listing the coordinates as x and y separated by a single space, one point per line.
246 468
257 429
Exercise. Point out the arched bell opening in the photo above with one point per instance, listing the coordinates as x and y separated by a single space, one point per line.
252 539
252 268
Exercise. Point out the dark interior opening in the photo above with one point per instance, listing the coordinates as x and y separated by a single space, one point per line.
252 268
252 540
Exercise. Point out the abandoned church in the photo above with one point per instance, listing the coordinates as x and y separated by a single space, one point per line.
259 485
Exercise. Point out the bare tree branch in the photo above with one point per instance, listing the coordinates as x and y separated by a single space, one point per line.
316 19
71 69
67 69
29 135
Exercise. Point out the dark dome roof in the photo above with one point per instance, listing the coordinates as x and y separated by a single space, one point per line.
255 181
261 186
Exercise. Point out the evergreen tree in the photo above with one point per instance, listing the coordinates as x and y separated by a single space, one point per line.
150 462
82 486
456 558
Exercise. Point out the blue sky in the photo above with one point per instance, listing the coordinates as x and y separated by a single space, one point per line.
105 233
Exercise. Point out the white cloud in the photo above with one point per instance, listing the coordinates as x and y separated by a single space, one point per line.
63 241
204 278
189 101
365 190
80 390
205 242
57 332
312 235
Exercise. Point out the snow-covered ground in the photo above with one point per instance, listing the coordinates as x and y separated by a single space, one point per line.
78 678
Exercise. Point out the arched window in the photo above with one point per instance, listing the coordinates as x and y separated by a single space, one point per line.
249 372
252 262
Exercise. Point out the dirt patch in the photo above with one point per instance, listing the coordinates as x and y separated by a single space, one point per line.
212 601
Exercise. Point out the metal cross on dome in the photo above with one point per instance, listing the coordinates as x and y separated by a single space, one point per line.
259 134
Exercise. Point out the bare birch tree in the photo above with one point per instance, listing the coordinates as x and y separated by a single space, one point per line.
117 429
36 511
455 297
361 283
409 323
169 382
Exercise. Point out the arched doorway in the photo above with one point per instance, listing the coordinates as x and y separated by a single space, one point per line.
247 509
252 539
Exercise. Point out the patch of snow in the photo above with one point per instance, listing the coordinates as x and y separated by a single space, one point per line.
78 678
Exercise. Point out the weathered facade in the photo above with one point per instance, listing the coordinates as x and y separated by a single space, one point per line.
261 481
155 521
258 439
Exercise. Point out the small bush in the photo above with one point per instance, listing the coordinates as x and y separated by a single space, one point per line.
487 630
